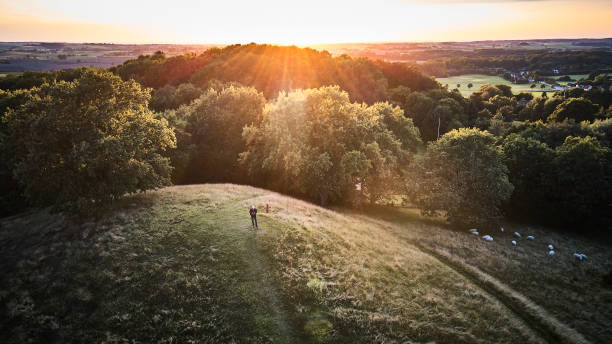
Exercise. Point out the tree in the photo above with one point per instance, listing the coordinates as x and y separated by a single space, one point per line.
583 170
483 120
497 102
578 109
214 124
533 111
87 142
420 108
463 176
470 85
553 134
31 79
163 98
447 115
488 91
524 96
438 112
530 170
318 144
170 97
499 126
458 85
549 106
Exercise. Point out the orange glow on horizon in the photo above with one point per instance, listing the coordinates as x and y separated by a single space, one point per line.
301 23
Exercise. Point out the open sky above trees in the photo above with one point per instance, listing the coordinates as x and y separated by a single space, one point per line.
302 23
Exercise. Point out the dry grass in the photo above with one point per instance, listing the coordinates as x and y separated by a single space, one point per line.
182 265
372 286
570 291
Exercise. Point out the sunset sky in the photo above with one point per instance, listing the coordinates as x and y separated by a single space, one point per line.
301 22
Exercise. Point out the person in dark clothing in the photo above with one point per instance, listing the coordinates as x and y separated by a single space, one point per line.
253 213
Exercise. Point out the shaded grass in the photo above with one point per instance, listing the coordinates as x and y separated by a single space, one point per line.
182 265
163 273
378 289
570 291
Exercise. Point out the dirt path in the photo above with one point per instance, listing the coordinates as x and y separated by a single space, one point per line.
535 320
260 270
533 316
260 265
536 317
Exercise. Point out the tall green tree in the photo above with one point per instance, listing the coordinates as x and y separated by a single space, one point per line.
87 142
462 176
319 144
583 169
212 133
531 171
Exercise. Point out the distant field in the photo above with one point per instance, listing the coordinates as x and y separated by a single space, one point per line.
480 79
39 56
3 74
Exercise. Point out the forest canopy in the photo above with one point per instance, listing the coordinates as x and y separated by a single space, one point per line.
271 69
338 130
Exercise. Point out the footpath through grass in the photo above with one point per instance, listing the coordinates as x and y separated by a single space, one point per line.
183 265
179 268
570 291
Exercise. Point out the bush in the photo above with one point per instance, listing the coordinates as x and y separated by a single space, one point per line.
87 141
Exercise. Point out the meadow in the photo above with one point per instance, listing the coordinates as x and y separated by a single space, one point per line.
183 264
478 80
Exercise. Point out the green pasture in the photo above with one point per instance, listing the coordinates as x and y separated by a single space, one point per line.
480 79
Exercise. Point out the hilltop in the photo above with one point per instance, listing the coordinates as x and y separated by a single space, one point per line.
182 264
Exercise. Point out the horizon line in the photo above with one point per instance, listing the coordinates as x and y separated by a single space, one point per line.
315 44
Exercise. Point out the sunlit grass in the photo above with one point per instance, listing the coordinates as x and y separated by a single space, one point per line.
183 264
555 283
478 80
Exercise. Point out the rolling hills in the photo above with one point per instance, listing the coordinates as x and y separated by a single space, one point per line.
183 264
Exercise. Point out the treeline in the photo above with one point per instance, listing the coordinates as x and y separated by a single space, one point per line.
80 143
272 69
541 62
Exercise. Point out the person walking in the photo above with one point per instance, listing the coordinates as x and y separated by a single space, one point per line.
253 213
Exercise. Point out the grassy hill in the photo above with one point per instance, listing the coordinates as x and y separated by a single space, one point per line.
183 265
